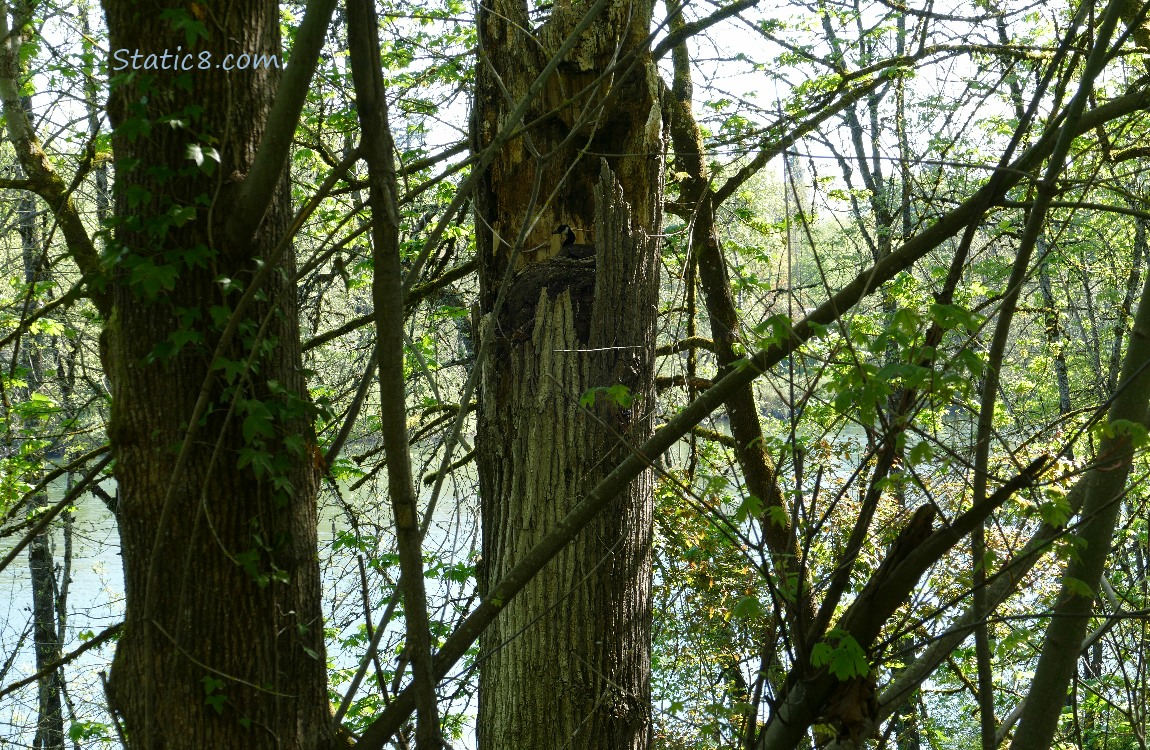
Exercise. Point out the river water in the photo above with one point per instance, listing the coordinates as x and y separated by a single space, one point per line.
96 598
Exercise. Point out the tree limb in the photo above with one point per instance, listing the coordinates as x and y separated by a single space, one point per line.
456 645
41 176
259 186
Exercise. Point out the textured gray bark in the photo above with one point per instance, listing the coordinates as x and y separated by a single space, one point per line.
567 661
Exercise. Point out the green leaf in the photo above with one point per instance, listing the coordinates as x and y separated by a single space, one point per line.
47 326
821 654
842 656
220 314
295 445
87 730
216 702
773 330
152 279
921 453
181 20
1078 587
954 316
1055 510
1122 428
181 215
133 128
621 395
137 195
232 368
259 421
249 561
778 515
751 507
747 607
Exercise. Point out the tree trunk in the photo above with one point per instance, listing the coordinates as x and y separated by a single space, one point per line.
567 662
223 644
50 720
45 635
1105 485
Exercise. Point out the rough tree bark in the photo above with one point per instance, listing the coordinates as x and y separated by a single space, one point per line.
223 643
569 657
567 661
